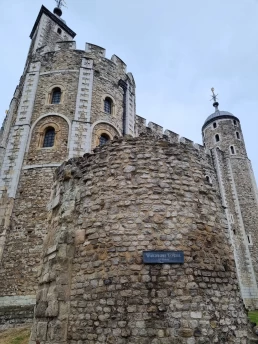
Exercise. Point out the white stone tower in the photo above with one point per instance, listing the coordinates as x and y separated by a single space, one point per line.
222 134
68 102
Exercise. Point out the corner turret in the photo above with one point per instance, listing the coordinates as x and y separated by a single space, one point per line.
222 135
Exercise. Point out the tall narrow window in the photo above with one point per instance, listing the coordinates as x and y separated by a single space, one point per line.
59 31
56 96
208 179
214 125
249 239
217 137
237 135
235 122
49 138
232 149
104 138
108 105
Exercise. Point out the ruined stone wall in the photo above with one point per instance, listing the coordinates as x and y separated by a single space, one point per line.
133 195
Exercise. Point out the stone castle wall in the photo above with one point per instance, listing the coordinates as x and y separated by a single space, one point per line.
133 195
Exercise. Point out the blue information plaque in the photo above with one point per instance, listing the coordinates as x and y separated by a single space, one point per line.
163 257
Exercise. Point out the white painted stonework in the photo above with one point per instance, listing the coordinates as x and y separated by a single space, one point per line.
80 140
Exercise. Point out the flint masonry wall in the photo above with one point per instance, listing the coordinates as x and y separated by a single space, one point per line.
137 194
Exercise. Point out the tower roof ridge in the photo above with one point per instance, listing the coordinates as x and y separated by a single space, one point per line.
55 18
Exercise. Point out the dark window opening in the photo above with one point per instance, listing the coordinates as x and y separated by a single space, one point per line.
214 125
232 149
108 105
248 237
217 137
235 122
59 31
56 96
208 179
104 138
237 135
49 138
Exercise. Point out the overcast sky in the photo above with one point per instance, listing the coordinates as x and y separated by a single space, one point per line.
176 49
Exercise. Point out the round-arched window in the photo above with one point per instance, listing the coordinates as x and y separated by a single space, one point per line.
108 105
104 138
49 137
56 95
217 138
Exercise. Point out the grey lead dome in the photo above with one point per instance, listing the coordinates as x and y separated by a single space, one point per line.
218 113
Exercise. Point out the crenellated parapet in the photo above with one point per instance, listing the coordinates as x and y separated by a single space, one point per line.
155 129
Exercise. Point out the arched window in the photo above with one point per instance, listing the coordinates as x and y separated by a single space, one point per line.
217 137
108 105
235 122
56 95
59 31
104 138
214 125
49 138
232 149
237 135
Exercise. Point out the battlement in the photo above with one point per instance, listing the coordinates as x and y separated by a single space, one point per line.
71 45
157 130
95 52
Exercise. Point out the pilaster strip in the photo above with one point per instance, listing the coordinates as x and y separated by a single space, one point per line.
80 141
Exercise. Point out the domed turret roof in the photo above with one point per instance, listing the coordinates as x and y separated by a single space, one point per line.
218 114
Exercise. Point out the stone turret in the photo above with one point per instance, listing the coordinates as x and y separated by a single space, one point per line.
222 134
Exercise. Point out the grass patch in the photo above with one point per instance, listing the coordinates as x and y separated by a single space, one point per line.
253 316
15 336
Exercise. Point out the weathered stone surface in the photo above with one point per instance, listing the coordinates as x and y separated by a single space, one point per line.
109 292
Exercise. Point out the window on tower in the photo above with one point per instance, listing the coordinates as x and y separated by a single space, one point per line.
238 135
232 150
59 31
214 125
104 138
49 137
108 105
56 95
208 179
217 137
